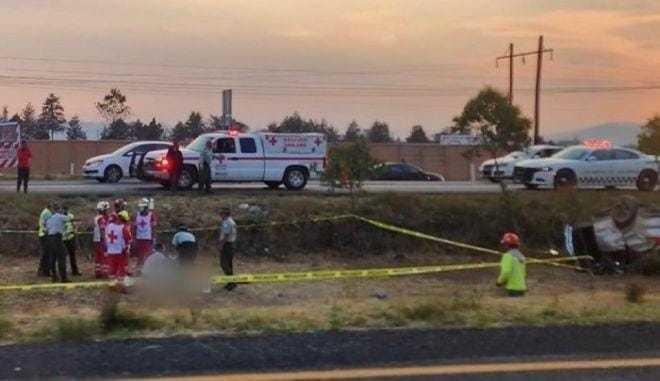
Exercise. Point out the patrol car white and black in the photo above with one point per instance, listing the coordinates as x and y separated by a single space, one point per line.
501 168
585 166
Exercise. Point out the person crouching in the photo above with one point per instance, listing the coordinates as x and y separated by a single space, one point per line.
186 245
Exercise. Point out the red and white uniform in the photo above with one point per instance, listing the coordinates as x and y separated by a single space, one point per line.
98 237
117 242
144 235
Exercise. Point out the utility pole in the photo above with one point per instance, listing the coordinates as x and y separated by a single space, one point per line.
537 94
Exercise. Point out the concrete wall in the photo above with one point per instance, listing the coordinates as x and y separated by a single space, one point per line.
55 157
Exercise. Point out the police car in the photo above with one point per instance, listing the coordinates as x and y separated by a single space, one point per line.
590 165
502 167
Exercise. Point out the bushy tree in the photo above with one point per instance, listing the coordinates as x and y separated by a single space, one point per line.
30 128
151 131
349 165
417 135
353 132
113 106
379 133
52 118
192 128
499 124
649 140
117 130
74 130
296 124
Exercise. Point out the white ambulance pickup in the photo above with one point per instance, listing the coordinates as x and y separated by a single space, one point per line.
275 159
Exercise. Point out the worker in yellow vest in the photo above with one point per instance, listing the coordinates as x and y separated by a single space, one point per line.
512 267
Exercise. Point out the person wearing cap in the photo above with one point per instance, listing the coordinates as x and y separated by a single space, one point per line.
23 155
98 238
185 244
55 226
69 239
512 267
143 229
205 161
44 263
228 235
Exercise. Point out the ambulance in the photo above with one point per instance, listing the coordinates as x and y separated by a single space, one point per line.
271 158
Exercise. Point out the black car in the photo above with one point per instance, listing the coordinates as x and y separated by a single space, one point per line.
402 172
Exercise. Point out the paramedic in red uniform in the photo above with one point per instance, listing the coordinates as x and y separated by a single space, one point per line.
117 238
143 227
23 175
98 237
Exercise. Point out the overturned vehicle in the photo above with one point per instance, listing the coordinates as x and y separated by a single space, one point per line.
626 237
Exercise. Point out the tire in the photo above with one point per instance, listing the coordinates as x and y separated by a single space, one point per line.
494 180
100 179
647 180
565 179
273 184
295 178
531 186
112 174
188 178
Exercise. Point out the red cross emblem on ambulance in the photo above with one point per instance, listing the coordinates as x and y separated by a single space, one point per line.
272 139
318 141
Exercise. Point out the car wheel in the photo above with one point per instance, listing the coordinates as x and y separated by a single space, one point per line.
295 178
565 179
531 186
273 184
647 180
112 174
100 179
187 179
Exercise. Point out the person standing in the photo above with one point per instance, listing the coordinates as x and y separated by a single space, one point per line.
205 161
228 235
143 226
23 173
98 237
44 263
512 267
185 244
117 238
175 159
55 229
69 239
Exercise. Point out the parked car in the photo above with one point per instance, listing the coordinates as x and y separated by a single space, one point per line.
403 172
275 159
501 168
590 166
121 163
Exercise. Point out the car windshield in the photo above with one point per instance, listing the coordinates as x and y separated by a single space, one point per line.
573 153
198 144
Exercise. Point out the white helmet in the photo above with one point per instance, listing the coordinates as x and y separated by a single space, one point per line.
143 204
102 206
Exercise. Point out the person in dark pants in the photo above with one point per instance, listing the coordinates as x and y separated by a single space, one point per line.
23 174
69 239
228 235
175 159
44 263
205 160
186 246
55 228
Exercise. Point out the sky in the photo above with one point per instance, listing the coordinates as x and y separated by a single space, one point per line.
405 62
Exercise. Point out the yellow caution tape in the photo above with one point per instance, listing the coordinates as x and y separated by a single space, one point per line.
56 286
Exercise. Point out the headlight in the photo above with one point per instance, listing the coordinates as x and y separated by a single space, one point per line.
93 163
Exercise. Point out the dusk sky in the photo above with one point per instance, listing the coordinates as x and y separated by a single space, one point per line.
403 61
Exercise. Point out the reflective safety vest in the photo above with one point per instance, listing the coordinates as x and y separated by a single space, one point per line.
43 217
144 226
513 271
115 240
69 228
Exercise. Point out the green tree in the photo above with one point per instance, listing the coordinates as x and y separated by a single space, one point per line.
117 130
500 125
113 106
52 118
417 135
379 133
349 165
192 128
151 131
30 128
353 132
296 124
648 140
74 130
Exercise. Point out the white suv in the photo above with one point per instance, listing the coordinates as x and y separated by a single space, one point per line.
121 163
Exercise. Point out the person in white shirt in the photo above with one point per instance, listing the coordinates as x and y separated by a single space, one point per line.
143 228
55 225
228 235
186 245
157 266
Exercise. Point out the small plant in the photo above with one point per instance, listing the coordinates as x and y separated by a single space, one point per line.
74 329
635 293
5 326
336 318
112 318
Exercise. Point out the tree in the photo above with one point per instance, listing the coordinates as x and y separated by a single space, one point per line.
353 132
417 135
215 124
117 130
499 124
74 130
379 133
349 165
52 118
113 107
192 128
151 131
649 140
30 129
296 124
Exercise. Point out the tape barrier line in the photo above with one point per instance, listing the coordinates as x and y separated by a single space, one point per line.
462 245
295 276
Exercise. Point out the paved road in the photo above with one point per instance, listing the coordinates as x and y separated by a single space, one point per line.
134 186
574 352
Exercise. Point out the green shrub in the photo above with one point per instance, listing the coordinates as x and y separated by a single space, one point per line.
635 293
112 318
74 329
348 166
5 326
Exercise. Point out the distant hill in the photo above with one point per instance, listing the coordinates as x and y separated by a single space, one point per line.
622 134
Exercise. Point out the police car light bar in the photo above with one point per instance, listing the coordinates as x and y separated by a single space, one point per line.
597 143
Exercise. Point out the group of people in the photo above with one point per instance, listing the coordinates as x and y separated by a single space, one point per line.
117 238
174 159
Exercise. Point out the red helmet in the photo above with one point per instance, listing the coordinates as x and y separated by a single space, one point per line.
510 240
